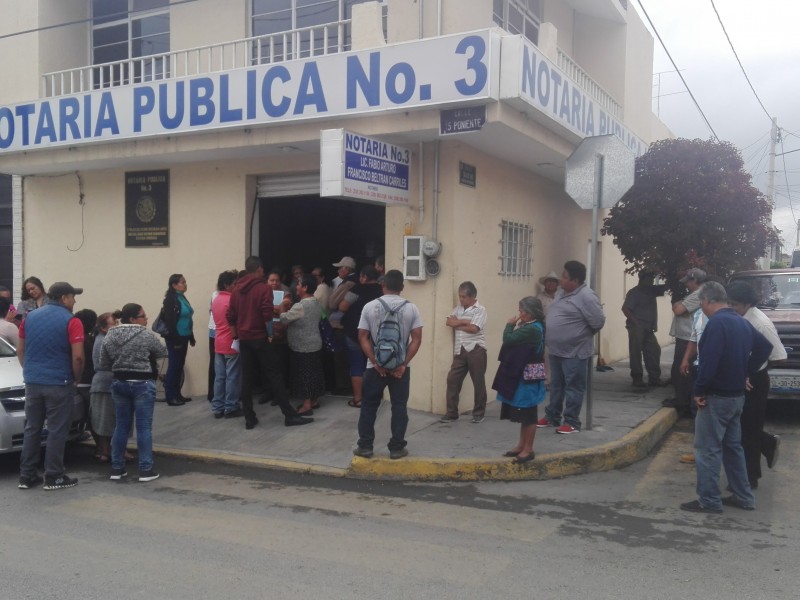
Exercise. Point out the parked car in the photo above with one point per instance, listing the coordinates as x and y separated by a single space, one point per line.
12 398
779 290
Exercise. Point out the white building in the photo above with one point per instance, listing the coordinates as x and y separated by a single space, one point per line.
151 137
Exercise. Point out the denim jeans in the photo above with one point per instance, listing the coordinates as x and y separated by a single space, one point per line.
567 387
133 398
227 383
718 439
372 391
176 359
53 403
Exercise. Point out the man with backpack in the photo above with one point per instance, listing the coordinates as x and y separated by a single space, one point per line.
390 333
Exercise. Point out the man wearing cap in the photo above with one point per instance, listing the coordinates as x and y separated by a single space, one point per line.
342 284
549 285
51 353
681 330
641 313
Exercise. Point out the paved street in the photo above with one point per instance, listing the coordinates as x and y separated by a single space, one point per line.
216 531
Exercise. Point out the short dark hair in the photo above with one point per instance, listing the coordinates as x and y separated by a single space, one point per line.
743 293
393 281
370 272
5 304
252 264
225 279
469 289
575 270
308 281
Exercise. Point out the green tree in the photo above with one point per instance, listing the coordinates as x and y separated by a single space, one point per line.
692 205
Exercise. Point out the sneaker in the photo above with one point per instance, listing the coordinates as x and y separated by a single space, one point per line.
117 474
478 419
639 383
234 414
26 483
447 419
395 454
695 506
544 422
57 483
732 501
567 429
687 459
148 475
363 452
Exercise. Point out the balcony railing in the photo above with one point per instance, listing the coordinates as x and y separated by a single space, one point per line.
265 49
594 89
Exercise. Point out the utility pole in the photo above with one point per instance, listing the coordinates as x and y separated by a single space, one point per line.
773 142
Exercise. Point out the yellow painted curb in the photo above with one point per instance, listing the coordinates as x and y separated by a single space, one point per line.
632 447
250 461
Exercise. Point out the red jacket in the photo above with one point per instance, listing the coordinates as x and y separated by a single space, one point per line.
251 307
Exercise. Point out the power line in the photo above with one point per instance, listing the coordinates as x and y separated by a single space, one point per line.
741 66
686 85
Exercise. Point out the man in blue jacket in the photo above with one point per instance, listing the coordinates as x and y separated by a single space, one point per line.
730 350
52 357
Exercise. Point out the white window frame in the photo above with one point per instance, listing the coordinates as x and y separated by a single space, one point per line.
516 249
530 11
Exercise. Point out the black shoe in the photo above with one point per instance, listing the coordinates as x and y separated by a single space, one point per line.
298 420
773 452
363 452
219 415
732 501
26 483
695 506
251 422
639 383
399 453
234 414
57 483
117 474
669 403
175 403
150 475
185 398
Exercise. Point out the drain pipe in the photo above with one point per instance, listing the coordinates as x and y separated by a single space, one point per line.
439 18
421 217
435 227
421 21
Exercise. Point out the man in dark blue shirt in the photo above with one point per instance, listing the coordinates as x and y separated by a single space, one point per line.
729 350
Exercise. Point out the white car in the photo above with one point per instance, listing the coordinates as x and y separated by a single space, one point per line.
12 398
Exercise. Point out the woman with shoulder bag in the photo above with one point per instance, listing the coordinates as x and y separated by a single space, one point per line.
520 377
176 314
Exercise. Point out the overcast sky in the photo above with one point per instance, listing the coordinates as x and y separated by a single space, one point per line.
766 36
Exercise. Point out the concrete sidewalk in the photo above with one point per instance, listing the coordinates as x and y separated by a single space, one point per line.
627 423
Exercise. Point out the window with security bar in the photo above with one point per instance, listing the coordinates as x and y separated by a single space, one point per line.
519 16
516 249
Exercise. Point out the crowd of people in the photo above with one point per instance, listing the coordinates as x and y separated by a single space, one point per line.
270 335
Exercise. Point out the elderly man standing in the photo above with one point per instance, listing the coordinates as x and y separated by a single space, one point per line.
51 353
681 330
641 315
730 350
571 323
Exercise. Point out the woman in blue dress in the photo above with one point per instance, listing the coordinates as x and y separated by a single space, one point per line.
523 344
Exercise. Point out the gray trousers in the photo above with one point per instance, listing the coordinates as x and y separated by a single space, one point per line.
53 403
643 342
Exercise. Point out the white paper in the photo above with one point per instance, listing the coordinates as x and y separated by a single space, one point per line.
235 345
277 297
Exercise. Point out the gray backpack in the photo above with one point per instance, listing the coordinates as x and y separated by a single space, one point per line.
389 346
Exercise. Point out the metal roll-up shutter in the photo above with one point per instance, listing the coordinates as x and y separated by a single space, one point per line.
271 186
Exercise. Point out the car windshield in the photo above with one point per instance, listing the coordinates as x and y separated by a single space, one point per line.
6 350
781 290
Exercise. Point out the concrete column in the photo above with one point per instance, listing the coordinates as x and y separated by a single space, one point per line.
367 27
548 41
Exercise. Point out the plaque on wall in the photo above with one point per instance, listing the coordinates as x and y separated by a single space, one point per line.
147 209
